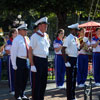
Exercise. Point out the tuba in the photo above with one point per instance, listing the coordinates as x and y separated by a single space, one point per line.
2 45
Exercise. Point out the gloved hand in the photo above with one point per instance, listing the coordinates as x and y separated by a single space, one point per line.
33 69
85 39
67 64
15 67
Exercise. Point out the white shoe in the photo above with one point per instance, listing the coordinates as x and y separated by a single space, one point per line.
24 97
81 85
97 84
19 98
61 87
12 92
74 99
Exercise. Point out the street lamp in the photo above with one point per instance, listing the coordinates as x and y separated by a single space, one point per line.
18 21
19 16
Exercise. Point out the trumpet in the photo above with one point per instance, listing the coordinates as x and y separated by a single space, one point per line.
84 45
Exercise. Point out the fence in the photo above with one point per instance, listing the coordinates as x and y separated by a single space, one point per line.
51 75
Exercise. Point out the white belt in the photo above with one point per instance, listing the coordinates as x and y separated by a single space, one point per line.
42 56
23 57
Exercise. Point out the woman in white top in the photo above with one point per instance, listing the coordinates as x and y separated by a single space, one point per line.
12 34
96 57
82 70
59 60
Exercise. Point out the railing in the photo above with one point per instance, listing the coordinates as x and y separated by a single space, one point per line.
88 88
51 75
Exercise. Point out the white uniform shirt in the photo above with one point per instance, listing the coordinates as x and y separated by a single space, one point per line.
18 49
71 44
57 44
8 45
97 49
40 45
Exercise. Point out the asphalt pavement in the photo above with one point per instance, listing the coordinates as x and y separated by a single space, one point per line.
53 93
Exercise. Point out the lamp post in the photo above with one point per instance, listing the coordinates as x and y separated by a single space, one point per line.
18 21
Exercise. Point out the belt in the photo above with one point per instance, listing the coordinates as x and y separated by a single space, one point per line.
96 52
59 54
83 54
23 57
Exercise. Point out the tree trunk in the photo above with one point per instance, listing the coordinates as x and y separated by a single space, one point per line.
62 17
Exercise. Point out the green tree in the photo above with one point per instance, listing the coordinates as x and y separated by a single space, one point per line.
62 8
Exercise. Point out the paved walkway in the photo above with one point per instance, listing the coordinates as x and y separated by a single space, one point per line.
52 93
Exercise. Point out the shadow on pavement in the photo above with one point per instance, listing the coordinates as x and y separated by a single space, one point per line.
51 93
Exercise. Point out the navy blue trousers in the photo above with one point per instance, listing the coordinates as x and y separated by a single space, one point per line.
59 70
10 73
21 77
82 70
96 67
39 78
0 67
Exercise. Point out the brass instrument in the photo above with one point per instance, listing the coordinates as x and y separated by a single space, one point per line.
86 48
84 45
2 45
81 40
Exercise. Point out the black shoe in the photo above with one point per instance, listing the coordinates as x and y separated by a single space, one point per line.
25 99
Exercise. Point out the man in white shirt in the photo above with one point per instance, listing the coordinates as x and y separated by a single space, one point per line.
70 52
38 52
19 55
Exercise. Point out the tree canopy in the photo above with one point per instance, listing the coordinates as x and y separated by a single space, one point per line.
61 8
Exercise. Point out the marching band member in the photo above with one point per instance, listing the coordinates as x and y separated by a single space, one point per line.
0 67
82 59
38 52
59 60
12 34
96 57
70 53
19 55
2 45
